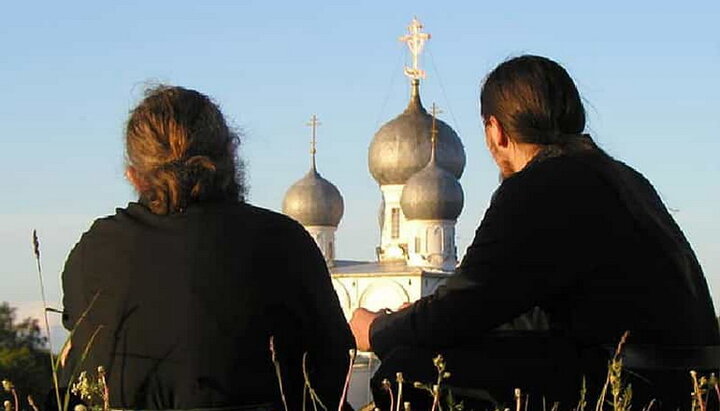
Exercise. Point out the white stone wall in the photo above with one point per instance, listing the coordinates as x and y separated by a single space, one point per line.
392 248
376 291
431 244
325 239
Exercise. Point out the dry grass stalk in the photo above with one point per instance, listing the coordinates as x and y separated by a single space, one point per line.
388 387
400 381
697 403
53 365
650 405
436 397
278 374
32 404
583 394
309 389
8 386
346 386
84 355
613 376
80 320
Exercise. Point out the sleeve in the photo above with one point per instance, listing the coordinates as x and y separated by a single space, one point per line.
523 254
326 333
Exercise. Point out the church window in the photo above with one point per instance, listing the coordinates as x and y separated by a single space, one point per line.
435 240
395 223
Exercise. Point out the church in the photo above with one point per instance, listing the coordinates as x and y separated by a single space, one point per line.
417 161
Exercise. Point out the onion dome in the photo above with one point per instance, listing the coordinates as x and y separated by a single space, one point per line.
433 193
401 147
314 201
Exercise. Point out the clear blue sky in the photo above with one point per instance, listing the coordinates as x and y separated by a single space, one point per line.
70 71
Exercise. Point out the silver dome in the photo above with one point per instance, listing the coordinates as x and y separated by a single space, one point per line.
432 194
401 147
313 201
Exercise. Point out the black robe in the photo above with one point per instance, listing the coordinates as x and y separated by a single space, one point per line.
187 303
584 238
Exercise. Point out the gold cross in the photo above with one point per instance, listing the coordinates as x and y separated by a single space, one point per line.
415 41
313 123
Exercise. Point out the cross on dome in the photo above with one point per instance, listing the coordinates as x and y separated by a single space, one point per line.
415 42
313 124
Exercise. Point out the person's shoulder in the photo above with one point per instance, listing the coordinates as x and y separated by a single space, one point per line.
102 228
270 217
571 179
562 172
114 221
272 223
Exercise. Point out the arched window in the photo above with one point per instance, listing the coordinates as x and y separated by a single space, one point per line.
395 223
434 240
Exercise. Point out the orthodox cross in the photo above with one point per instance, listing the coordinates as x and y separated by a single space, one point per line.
433 129
415 42
313 123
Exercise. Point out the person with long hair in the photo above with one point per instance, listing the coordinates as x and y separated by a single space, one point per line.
571 231
191 298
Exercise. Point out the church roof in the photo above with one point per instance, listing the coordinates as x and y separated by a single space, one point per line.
314 201
347 268
401 147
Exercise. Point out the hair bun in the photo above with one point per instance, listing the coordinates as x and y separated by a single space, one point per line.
200 162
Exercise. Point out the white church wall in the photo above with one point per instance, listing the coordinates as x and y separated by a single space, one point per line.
432 244
325 239
393 235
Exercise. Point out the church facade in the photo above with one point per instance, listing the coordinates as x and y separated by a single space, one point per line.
417 161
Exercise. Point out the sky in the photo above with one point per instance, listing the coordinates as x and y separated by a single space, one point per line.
649 73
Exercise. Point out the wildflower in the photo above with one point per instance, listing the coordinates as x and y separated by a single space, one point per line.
7 405
8 385
439 363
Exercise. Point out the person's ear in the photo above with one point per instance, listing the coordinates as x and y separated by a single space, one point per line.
496 133
132 176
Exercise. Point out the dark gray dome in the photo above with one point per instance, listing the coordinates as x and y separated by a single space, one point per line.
401 147
313 200
432 194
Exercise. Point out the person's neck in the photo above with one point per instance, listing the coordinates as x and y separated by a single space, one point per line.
522 155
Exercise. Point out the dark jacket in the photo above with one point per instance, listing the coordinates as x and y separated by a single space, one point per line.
586 239
187 303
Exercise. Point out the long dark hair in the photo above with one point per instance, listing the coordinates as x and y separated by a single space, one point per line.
182 150
535 101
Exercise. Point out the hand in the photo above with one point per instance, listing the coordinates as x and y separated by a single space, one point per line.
360 325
